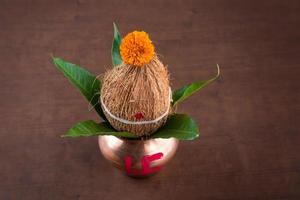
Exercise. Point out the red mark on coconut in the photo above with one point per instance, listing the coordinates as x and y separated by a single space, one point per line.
139 116
145 163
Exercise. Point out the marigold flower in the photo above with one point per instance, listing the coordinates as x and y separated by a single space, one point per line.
136 48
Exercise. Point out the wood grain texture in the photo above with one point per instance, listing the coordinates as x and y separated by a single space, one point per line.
249 144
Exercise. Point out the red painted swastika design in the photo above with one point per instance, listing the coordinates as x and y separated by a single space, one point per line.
145 163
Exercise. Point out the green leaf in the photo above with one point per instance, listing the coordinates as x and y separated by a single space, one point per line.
179 126
186 91
115 49
91 128
87 83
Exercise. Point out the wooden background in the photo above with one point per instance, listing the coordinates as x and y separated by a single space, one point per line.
249 146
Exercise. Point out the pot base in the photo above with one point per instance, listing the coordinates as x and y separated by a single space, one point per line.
138 158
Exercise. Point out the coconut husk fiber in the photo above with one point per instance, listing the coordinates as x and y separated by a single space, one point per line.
137 93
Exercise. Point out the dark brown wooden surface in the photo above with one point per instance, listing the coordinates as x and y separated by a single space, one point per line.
249 146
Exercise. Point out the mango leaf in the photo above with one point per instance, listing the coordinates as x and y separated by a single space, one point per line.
186 91
91 128
179 126
115 49
86 82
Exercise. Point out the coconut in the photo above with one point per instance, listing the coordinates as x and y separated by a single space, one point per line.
136 99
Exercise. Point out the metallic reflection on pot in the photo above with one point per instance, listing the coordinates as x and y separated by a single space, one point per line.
138 157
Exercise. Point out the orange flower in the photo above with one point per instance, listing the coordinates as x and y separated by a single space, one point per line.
136 48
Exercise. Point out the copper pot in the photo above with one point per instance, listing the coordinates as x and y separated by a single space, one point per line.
138 158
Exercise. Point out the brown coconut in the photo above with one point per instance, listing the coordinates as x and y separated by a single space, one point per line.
137 94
